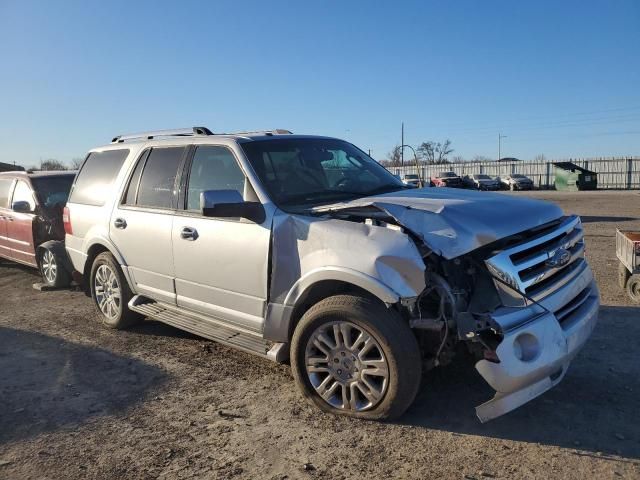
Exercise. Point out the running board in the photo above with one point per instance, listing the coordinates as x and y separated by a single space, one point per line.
206 327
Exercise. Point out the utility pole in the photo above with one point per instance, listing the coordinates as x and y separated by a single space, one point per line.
402 149
500 137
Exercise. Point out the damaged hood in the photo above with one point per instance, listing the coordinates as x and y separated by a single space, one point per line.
453 222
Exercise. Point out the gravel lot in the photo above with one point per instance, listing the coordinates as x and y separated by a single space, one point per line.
80 401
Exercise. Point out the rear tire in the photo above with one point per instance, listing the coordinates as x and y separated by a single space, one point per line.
370 366
111 293
52 269
633 288
623 275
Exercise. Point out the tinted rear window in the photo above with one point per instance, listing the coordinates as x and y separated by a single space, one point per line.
5 185
52 191
95 180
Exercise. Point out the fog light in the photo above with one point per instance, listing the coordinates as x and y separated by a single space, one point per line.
526 347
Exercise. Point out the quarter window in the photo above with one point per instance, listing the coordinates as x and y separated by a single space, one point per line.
213 168
157 184
95 180
23 193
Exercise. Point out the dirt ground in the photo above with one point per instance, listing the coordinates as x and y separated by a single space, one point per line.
80 401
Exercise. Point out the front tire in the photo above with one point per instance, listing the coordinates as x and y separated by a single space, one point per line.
353 356
111 293
52 269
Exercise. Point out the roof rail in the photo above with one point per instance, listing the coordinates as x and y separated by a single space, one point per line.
277 131
179 132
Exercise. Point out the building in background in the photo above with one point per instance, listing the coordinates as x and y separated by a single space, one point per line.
8 167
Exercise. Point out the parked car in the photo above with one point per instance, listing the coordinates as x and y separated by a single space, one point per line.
516 181
446 179
480 181
302 247
31 230
412 180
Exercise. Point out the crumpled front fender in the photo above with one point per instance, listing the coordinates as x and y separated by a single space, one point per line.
306 250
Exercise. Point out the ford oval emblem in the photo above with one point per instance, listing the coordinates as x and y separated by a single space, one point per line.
559 258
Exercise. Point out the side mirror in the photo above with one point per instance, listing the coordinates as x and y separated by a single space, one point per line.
230 204
21 207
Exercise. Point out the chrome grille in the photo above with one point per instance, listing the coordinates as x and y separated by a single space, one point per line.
540 265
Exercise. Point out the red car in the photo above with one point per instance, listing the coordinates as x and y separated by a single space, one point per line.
446 179
31 228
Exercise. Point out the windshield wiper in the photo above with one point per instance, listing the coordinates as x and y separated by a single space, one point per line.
322 194
313 196
385 189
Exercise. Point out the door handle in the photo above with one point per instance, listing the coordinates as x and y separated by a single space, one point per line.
189 233
120 223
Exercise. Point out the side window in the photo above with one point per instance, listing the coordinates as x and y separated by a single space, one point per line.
5 185
94 181
213 168
23 193
158 178
132 189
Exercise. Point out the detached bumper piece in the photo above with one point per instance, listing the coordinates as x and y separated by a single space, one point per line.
535 355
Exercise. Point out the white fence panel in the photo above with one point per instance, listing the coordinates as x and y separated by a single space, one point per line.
613 173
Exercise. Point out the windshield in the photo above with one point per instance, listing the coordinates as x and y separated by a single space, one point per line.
411 177
446 175
482 177
54 190
314 171
517 175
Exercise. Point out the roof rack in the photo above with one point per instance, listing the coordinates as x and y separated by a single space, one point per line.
179 132
277 131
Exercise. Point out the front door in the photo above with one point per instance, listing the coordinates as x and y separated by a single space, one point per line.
141 224
20 226
222 267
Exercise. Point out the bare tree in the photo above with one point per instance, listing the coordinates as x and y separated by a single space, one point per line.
52 164
435 152
481 158
394 157
540 158
76 163
458 159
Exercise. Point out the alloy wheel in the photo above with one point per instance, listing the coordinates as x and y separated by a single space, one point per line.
49 266
107 292
346 366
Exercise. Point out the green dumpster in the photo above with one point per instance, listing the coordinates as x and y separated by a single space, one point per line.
571 177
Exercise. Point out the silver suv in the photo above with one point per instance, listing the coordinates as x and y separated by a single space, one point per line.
304 248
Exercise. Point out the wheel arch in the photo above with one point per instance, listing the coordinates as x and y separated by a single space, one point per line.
93 251
281 320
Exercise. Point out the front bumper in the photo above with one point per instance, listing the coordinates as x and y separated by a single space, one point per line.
538 345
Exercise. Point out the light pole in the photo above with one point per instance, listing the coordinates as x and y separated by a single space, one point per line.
500 137
415 158
401 148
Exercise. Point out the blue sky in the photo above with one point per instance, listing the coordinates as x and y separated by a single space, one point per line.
557 78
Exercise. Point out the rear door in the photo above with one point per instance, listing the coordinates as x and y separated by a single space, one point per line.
221 270
141 223
20 225
6 184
